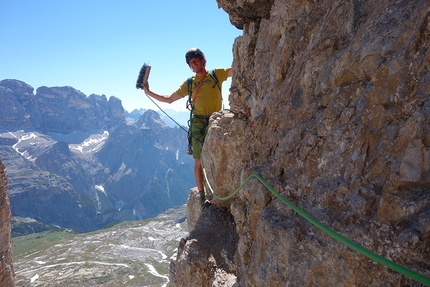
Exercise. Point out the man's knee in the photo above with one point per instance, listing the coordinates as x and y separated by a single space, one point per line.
197 163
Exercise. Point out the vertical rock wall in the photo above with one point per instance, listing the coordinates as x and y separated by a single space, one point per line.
330 103
6 269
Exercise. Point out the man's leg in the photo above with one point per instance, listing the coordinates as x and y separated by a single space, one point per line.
198 174
198 134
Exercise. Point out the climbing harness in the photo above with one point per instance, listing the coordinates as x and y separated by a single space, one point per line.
190 107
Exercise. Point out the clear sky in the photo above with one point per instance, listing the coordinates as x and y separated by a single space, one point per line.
98 47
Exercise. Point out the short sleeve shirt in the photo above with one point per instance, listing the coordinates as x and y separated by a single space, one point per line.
209 96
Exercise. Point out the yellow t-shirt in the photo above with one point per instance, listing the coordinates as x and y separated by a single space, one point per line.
209 97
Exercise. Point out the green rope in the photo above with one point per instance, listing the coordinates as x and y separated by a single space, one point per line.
360 249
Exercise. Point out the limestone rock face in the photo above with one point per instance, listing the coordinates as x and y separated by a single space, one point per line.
6 269
206 257
330 104
246 11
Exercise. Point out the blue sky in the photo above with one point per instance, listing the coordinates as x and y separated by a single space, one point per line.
98 47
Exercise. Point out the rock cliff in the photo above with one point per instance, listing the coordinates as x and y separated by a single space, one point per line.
6 269
330 105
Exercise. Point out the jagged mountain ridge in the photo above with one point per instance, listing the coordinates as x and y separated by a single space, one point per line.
75 162
61 110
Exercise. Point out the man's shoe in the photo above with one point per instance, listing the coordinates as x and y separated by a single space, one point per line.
203 202
206 204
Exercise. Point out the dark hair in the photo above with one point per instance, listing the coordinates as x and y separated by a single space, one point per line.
194 53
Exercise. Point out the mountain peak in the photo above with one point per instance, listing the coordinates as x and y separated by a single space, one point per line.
17 86
151 119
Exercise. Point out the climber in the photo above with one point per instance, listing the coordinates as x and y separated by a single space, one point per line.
205 98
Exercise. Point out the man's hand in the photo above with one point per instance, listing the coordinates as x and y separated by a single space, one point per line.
145 87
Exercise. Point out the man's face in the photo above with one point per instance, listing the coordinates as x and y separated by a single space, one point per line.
196 64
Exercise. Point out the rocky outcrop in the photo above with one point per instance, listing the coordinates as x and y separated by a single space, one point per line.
58 109
6 269
330 104
207 255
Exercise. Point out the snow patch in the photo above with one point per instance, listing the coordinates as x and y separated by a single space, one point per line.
34 278
155 273
101 188
91 144
40 262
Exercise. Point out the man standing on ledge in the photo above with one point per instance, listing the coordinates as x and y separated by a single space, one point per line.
205 99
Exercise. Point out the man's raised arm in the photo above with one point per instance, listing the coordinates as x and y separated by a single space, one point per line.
162 98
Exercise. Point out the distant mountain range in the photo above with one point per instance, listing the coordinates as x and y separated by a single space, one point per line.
83 162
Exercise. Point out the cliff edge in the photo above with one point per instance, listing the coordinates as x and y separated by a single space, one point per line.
330 104
6 270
